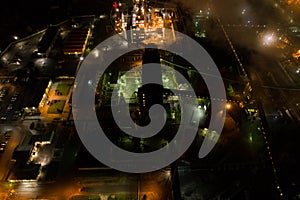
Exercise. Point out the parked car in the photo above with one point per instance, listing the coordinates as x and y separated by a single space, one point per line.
2 146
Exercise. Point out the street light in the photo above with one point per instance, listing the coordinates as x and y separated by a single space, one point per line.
15 37
228 106
269 39
243 11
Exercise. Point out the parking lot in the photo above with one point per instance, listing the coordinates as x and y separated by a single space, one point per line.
10 104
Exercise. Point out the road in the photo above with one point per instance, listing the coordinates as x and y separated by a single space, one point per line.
270 78
5 158
156 185
102 182
31 190
271 69
275 84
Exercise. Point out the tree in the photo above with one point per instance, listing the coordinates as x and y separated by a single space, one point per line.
230 90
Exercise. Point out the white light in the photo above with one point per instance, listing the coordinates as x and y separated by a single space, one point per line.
168 174
16 37
81 58
95 53
243 11
269 39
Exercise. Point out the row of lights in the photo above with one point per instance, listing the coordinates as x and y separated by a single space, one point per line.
271 159
228 106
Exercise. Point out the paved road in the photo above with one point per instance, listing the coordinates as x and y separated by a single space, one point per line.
5 158
156 186
273 75
275 86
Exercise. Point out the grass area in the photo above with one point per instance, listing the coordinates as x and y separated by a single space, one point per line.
56 107
85 197
63 89
120 197
110 197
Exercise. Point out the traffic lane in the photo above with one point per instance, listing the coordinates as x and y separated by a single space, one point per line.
55 190
33 190
5 161
157 183
107 184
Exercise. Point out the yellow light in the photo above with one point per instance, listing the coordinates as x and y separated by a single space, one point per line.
297 54
228 105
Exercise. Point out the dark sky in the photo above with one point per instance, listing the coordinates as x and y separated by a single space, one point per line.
19 17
